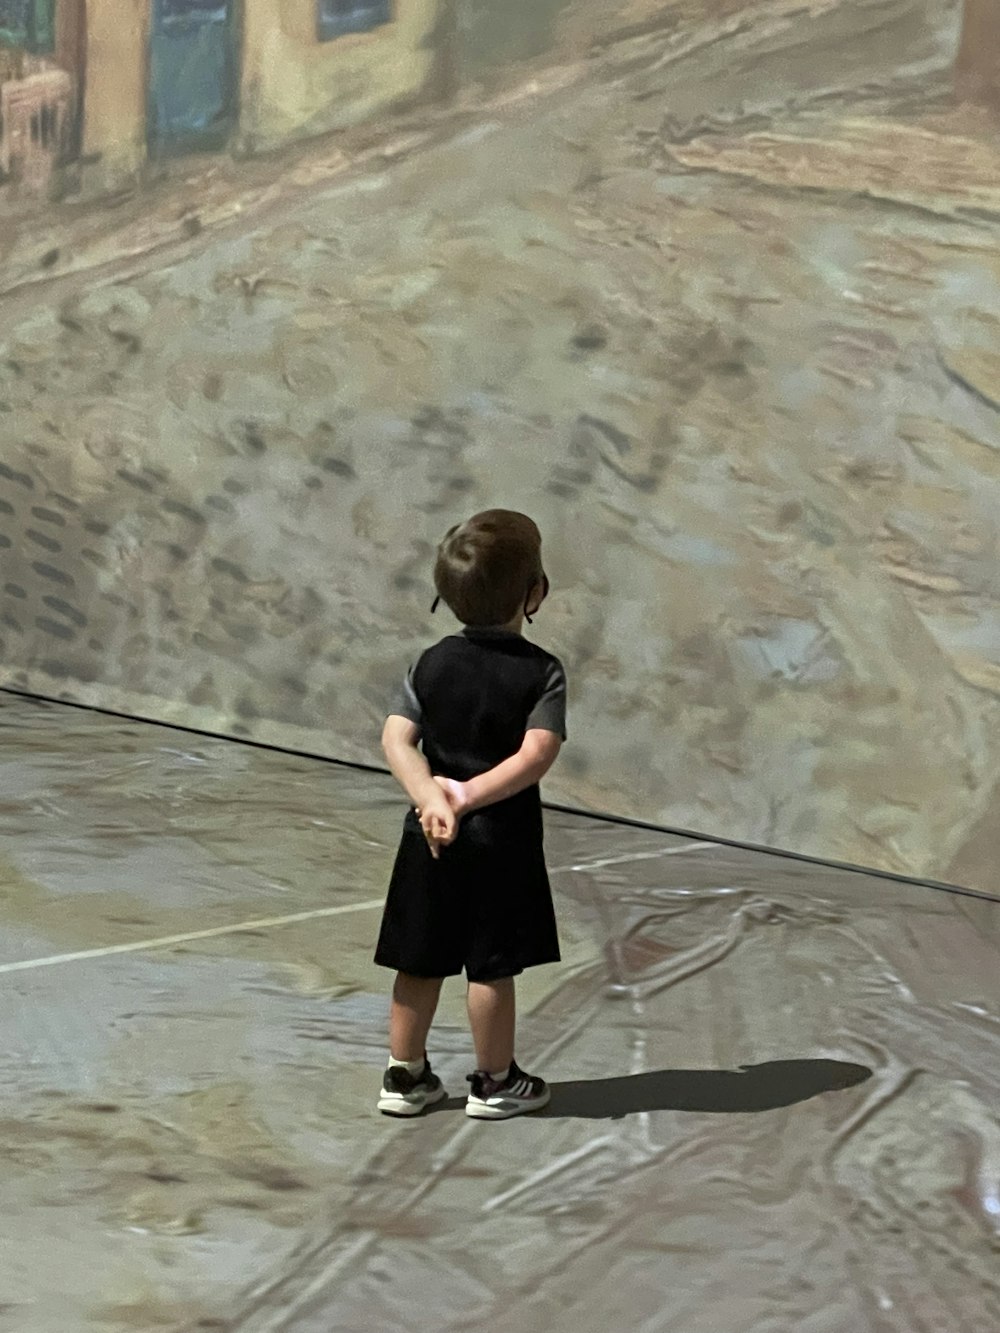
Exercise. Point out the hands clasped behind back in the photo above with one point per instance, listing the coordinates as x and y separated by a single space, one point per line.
441 816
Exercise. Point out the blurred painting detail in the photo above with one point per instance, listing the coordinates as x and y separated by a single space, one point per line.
41 86
709 287
193 89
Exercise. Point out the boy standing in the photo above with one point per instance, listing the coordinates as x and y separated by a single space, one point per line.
469 887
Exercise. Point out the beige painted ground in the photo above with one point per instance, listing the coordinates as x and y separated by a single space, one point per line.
187 1133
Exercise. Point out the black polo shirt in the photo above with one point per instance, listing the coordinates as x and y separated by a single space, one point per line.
475 694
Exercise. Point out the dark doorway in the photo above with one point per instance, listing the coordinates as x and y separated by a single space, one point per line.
193 75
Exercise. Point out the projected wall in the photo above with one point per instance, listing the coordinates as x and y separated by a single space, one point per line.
719 305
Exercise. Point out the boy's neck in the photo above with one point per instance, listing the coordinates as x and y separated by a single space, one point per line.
514 626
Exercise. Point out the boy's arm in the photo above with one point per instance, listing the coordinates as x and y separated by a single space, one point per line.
534 759
409 767
412 771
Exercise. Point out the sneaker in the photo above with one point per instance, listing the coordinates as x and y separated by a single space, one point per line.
519 1093
404 1094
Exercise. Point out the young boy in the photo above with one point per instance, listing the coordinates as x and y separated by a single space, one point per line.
469 887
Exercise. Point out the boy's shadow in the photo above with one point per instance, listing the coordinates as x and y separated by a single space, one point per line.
749 1088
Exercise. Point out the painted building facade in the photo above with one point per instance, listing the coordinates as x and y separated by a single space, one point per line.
94 89
978 66
42 78
107 86
91 90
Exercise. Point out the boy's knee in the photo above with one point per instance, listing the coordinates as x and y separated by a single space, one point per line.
412 982
494 983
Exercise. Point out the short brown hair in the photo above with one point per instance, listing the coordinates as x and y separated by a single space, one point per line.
487 565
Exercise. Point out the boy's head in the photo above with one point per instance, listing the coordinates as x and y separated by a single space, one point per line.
487 566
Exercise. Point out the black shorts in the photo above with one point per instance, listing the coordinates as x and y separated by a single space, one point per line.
485 905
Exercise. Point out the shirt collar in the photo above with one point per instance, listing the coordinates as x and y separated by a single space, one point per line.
493 631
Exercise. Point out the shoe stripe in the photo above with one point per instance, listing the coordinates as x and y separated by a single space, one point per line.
523 1087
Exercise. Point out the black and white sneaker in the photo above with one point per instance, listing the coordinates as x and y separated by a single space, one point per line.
518 1094
405 1094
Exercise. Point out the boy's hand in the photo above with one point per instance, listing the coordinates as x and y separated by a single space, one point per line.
457 794
440 816
439 823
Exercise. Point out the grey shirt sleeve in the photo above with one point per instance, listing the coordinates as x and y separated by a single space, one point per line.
549 712
407 703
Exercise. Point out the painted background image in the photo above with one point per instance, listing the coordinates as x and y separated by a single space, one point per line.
710 290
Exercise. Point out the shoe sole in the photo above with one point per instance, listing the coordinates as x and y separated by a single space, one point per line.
398 1106
506 1110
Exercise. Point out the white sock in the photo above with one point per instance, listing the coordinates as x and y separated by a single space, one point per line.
502 1076
414 1067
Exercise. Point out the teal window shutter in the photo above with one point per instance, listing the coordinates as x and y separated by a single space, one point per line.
336 18
29 24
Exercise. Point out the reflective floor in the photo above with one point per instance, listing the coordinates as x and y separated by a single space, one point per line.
775 1085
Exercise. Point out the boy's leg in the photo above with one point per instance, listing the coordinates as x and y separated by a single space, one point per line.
409 1083
414 1002
492 1016
500 1088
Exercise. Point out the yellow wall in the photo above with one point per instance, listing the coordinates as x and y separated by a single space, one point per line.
295 85
979 56
114 118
